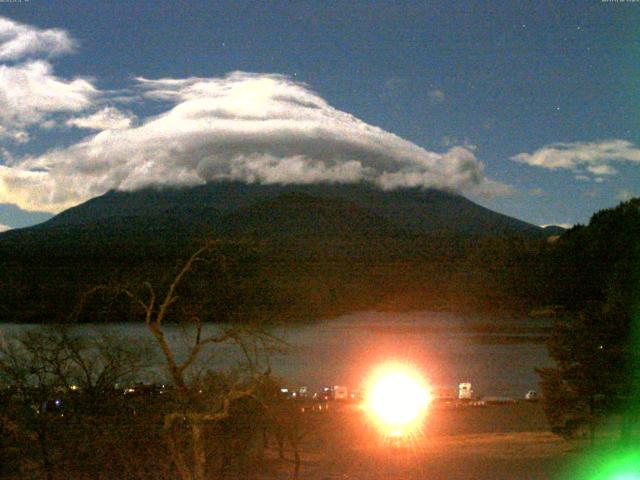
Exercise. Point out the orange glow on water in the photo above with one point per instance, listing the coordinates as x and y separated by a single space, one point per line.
397 400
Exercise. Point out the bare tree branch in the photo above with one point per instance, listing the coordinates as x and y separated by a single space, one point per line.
170 298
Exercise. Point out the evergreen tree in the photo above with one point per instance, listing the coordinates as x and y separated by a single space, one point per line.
596 350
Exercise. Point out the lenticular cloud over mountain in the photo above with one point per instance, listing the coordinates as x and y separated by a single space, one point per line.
249 127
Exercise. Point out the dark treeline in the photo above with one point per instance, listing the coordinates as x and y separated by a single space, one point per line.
298 277
592 262
70 408
595 346
285 278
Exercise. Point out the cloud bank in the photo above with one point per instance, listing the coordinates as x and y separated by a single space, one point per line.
586 159
18 40
30 92
251 127
563 225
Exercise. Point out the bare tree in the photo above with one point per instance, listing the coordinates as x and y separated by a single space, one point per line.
190 455
44 369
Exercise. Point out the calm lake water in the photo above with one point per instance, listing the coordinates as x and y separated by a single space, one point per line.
493 354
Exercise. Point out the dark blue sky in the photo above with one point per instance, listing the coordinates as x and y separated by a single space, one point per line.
504 77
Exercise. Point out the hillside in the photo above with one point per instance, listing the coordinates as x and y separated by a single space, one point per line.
410 210
315 249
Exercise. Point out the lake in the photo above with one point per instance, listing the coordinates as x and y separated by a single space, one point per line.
497 356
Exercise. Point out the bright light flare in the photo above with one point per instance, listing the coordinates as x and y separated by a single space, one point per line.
397 400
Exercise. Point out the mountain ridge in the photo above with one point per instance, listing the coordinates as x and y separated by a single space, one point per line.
406 210
290 251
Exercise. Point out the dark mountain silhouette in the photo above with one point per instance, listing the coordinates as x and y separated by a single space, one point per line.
316 249
238 208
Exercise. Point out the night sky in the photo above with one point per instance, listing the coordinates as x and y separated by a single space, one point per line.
528 108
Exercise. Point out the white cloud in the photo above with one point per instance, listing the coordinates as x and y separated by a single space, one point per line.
14 135
4 228
436 95
109 118
601 170
583 157
29 92
18 41
249 127
625 195
563 225
6 157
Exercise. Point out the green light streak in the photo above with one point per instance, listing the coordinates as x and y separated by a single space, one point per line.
614 465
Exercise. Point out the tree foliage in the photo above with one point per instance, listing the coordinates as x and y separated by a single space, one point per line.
596 348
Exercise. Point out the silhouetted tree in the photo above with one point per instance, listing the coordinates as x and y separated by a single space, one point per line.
236 414
56 381
591 373
596 350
